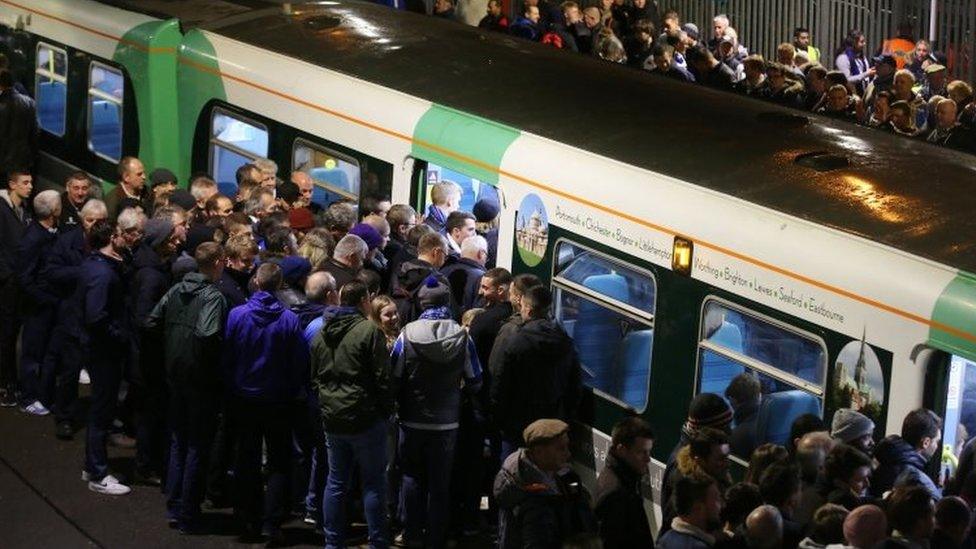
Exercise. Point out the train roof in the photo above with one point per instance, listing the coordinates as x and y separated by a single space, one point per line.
900 192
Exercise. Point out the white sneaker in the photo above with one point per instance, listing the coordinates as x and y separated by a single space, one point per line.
83 377
85 475
36 409
109 486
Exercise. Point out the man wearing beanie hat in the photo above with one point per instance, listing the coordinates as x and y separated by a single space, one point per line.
485 213
301 221
294 270
854 429
151 267
539 497
430 358
162 183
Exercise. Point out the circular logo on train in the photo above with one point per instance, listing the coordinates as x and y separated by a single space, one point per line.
858 381
532 230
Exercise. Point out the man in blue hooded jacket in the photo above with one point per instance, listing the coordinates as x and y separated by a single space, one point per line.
266 362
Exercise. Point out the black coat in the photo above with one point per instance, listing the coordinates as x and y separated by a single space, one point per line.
12 227
70 215
150 280
233 284
103 298
465 277
620 507
31 256
18 126
63 273
536 374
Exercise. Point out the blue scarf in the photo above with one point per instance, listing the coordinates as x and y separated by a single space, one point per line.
437 215
436 313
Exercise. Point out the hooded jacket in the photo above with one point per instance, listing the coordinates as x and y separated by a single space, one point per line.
539 510
899 464
405 284
265 356
350 371
430 358
13 223
192 316
535 374
620 506
150 280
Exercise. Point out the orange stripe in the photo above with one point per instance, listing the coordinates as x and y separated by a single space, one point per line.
96 32
477 163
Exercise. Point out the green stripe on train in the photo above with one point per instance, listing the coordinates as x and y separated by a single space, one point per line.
955 308
467 136
152 71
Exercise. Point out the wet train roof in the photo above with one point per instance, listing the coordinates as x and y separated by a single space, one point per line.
906 194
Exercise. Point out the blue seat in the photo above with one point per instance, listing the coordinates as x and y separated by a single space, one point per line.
777 412
335 178
598 333
51 98
106 129
634 367
717 371
227 188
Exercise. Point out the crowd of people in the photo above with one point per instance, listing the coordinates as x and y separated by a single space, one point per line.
903 87
285 358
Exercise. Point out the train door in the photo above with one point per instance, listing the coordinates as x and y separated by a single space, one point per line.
950 389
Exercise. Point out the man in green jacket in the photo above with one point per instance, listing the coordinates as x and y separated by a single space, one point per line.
351 372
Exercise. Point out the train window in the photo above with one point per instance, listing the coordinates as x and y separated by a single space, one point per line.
607 307
336 176
51 88
790 366
106 88
472 190
234 141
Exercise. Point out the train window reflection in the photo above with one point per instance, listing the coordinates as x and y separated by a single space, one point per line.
51 88
234 141
106 90
786 368
336 176
608 310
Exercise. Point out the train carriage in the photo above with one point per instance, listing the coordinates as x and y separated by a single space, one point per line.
688 235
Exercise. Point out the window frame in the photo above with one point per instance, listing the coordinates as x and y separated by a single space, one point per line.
39 72
94 92
212 140
629 311
770 370
344 157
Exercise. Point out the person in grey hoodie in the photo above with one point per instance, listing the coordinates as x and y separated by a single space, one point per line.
430 359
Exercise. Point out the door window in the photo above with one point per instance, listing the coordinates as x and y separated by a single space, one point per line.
51 88
106 90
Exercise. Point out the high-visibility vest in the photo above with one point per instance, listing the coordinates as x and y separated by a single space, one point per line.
899 48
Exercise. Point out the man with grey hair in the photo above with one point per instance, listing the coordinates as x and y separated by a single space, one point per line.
64 352
465 272
269 173
347 259
40 303
202 188
131 224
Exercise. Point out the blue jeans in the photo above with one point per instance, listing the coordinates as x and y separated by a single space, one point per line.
426 458
193 422
368 450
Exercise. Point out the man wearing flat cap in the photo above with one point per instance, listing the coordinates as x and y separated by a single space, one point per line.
541 501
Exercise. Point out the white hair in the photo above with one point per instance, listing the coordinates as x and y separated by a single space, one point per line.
267 165
473 245
721 18
130 218
351 245
46 203
94 207
202 187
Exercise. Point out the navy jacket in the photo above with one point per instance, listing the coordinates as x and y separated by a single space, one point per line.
233 284
12 227
104 304
150 280
62 273
899 464
265 355
31 257
464 275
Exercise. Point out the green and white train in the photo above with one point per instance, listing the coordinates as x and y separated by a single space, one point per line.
689 235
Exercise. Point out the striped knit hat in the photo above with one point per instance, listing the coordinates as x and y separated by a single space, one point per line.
709 410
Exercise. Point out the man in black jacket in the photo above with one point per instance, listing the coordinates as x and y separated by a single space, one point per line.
77 192
18 126
535 372
241 251
106 321
66 348
192 316
14 218
619 503
40 303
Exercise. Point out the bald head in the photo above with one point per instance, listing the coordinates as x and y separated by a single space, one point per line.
321 288
811 452
764 528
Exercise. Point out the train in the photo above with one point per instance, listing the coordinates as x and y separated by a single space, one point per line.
689 235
